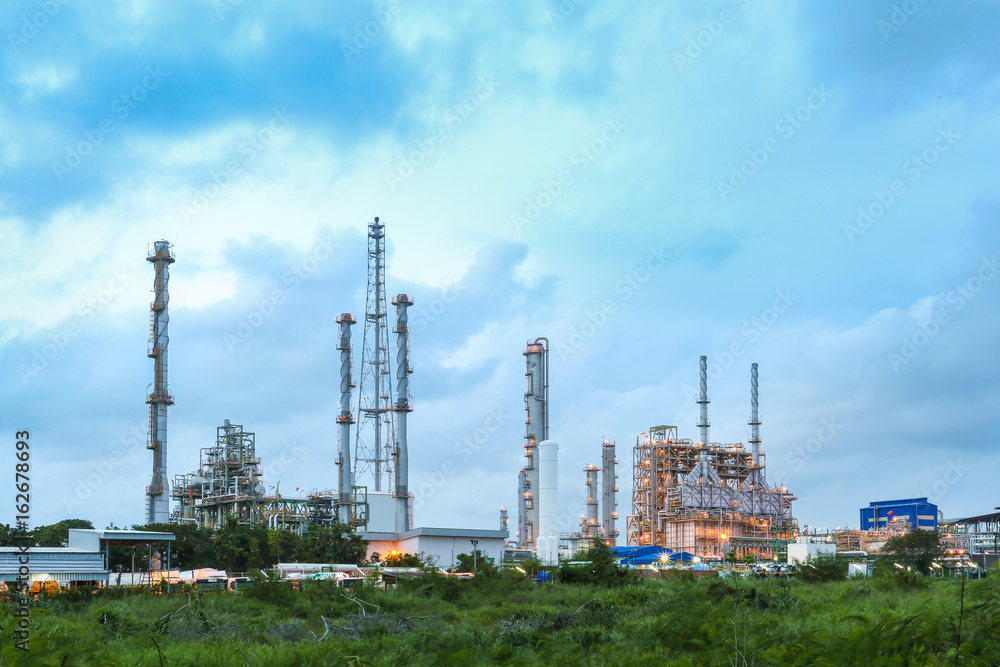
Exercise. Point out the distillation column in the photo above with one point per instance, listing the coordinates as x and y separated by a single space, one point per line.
703 400
157 498
609 491
344 421
536 405
402 407
592 525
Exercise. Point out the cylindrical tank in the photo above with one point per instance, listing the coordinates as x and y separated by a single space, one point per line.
548 501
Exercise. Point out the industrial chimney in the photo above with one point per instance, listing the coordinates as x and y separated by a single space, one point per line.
703 399
754 417
402 407
344 421
157 498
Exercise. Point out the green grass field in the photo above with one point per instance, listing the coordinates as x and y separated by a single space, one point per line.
441 621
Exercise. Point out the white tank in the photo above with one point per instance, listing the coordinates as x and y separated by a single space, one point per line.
548 502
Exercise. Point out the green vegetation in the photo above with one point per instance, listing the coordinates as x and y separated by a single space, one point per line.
44 536
440 620
824 567
916 550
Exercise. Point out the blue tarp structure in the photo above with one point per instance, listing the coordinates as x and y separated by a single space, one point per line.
631 556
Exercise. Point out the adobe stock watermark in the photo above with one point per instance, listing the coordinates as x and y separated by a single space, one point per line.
223 7
42 356
751 331
424 314
35 22
806 451
564 10
901 13
580 160
265 308
453 119
462 450
121 107
131 441
951 476
291 451
957 299
914 167
626 287
711 30
364 34
249 150
786 127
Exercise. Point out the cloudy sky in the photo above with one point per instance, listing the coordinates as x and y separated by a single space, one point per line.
809 186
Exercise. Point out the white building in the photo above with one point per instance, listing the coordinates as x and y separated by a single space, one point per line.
443 544
807 547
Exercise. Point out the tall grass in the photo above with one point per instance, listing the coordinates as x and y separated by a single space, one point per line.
438 620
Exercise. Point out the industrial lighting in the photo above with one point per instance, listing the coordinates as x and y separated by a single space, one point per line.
518 568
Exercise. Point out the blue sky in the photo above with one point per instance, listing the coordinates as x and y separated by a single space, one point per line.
809 186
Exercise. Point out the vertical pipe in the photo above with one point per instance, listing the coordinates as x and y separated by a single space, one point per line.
754 417
157 500
402 407
703 399
522 476
344 421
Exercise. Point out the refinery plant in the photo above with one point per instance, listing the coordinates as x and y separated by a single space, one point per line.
372 493
707 498
697 497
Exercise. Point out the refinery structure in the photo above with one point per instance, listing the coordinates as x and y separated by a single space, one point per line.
372 484
372 463
697 498
700 497
707 498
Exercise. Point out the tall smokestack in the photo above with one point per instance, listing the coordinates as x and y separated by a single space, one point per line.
548 501
536 422
703 399
403 370
609 492
157 500
344 421
754 418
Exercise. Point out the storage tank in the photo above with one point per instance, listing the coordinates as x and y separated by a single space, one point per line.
548 501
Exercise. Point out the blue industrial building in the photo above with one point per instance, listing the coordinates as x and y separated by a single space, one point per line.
908 513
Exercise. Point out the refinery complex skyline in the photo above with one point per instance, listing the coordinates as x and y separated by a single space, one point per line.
633 188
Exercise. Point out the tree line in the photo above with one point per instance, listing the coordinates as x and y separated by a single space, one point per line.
234 547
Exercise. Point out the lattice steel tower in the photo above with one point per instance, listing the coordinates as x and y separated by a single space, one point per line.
375 438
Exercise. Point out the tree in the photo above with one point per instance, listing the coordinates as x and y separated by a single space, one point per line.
191 548
823 567
475 562
58 533
916 549
284 544
399 559
336 544
601 568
